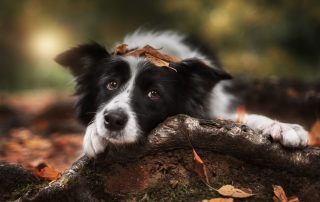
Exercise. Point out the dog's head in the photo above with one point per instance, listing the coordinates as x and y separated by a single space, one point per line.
128 96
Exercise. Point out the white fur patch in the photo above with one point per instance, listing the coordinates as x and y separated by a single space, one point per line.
220 102
93 144
289 135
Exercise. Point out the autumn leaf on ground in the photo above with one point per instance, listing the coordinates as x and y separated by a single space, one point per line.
280 195
219 200
231 191
314 134
45 172
200 168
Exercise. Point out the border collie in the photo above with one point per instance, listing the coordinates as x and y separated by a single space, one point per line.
121 98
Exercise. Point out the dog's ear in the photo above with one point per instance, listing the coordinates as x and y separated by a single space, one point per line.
200 74
82 57
81 61
197 80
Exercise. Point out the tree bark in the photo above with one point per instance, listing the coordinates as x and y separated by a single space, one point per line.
161 169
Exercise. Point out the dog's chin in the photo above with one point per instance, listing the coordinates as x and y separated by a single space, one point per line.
119 137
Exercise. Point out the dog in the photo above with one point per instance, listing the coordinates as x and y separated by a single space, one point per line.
121 98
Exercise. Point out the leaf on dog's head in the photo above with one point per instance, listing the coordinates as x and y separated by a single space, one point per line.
121 49
158 62
136 53
154 52
150 53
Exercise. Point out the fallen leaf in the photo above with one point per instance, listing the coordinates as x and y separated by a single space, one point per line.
231 191
293 199
219 200
200 168
279 194
45 172
120 49
314 134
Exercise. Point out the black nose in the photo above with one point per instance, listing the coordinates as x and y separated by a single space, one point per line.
115 120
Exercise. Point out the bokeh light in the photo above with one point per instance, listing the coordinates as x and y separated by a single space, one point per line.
46 44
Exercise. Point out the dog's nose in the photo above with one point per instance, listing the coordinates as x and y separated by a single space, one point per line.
115 120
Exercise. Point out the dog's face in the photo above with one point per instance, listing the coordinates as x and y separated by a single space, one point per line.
127 97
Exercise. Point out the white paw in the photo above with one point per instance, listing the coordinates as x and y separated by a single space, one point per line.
289 135
93 144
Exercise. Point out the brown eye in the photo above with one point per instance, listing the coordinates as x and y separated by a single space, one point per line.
112 85
154 95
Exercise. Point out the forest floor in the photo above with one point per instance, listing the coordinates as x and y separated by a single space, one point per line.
38 129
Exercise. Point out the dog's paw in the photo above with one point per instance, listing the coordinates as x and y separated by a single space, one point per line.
289 135
93 144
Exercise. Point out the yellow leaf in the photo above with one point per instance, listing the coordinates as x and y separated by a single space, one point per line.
231 191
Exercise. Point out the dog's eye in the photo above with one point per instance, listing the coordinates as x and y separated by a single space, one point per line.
112 85
154 95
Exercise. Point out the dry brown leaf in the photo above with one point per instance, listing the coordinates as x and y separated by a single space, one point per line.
219 200
120 49
279 194
314 134
152 54
231 191
200 168
136 53
293 199
156 61
45 172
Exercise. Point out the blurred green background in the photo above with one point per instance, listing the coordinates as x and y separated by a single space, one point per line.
259 39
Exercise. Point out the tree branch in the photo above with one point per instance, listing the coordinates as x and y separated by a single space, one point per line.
231 151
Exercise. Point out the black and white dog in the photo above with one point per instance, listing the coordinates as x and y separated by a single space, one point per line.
122 98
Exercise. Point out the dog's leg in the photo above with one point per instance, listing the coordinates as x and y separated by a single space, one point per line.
289 135
93 144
